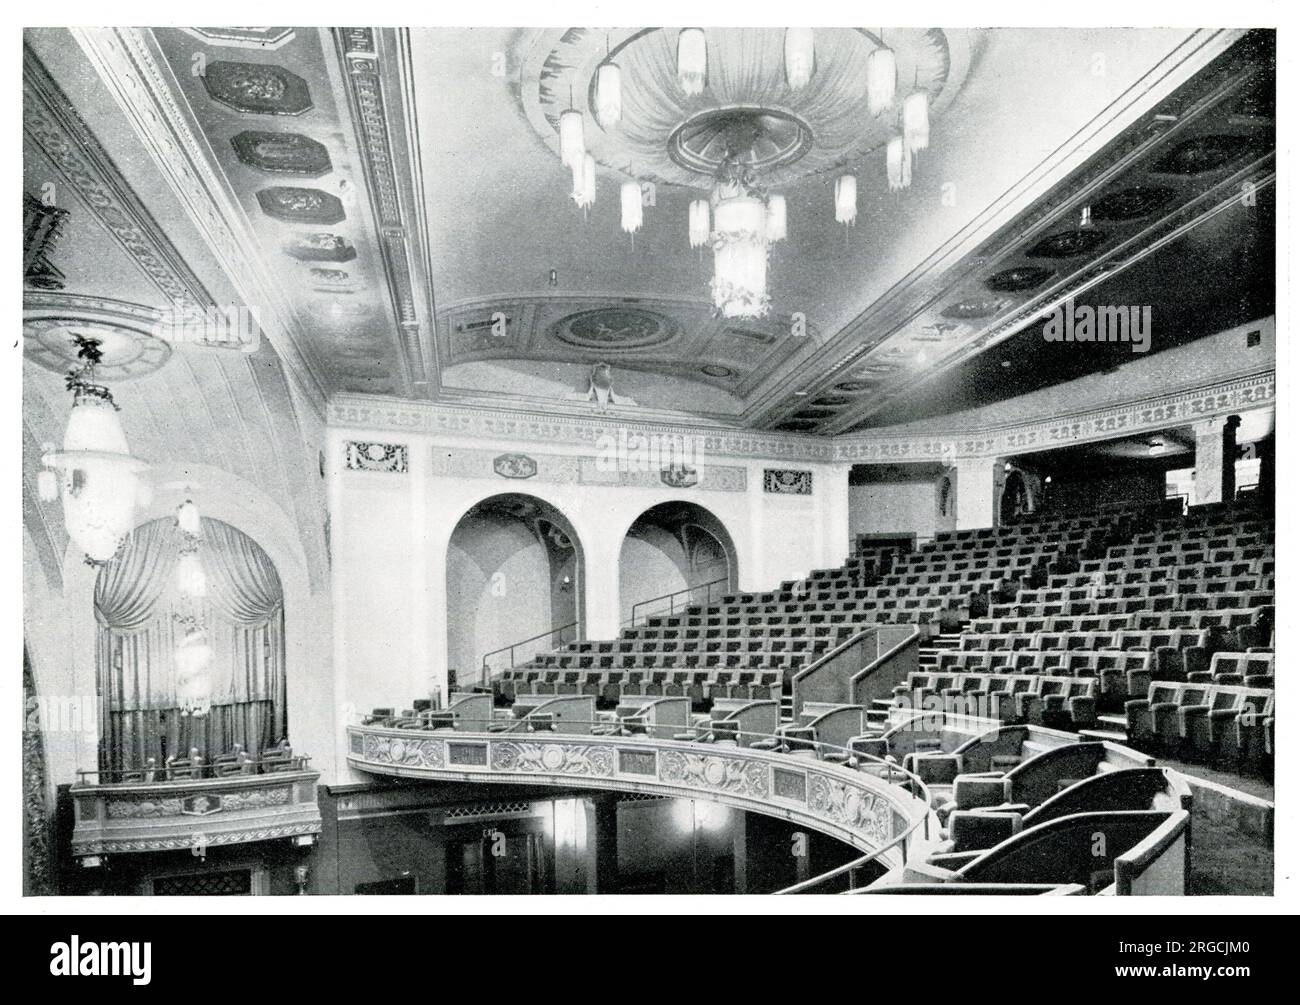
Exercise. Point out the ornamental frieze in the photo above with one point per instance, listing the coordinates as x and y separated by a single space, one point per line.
553 758
732 775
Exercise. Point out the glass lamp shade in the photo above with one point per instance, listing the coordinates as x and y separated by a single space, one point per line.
571 143
775 218
187 518
846 199
191 580
692 60
193 683
740 257
799 57
882 78
99 478
698 222
609 95
630 205
916 121
898 161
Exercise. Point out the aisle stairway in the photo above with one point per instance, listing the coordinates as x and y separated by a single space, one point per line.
877 715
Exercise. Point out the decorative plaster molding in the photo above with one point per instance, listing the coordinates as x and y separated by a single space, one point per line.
363 71
428 418
782 481
1103 423
566 469
882 447
859 808
127 61
54 125
388 457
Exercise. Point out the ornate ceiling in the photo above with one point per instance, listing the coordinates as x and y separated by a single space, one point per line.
392 205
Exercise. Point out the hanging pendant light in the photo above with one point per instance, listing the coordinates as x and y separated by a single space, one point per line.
98 477
916 121
630 203
775 218
191 580
187 519
692 60
697 220
898 163
609 94
571 143
800 57
584 182
193 682
882 78
846 199
740 257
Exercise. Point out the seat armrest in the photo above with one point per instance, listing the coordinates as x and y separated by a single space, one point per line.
934 769
971 791
979 831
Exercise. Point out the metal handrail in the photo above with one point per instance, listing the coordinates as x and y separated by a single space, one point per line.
849 867
486 671
205 771
670 597
907 780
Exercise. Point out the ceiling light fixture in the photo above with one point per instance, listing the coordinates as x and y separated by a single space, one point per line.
775 218
609 94
630 204
800 57
692 60
572 147
698 222
898 163
740 243
882 79
916 121
98 476
846 199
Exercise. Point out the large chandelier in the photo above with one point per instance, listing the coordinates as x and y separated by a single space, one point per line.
193 653
95 472
731 110
740 241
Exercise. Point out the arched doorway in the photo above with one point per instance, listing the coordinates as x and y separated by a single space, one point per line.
1016 501
674 554
190 646
514 576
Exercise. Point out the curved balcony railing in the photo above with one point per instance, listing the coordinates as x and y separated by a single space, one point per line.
146 811
875 806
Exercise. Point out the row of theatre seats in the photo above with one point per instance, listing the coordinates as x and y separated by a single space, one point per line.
1175 614
1017 808
237 761
774 634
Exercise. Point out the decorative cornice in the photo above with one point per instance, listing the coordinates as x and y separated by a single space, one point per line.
54 125
431 419
138 78
1242 391
363 71
1068 429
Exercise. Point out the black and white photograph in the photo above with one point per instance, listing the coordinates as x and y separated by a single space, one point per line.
630 469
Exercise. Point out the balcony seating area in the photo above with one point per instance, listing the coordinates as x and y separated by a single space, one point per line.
749 645
237 761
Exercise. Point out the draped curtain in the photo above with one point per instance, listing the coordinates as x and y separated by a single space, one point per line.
136 601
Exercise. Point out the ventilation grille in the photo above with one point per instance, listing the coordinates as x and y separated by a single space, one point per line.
231 883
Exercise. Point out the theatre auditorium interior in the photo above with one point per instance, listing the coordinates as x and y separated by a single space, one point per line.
648 460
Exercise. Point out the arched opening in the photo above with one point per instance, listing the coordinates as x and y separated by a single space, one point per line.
514 579
674 554
190 647
1016 500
